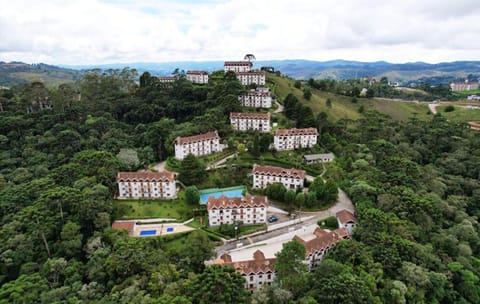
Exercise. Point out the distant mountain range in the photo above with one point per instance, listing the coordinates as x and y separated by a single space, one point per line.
335 69
405 73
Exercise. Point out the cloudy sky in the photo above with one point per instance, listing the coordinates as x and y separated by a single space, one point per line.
121 31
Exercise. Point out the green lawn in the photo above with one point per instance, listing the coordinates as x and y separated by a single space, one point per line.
342 106
460 114
143 209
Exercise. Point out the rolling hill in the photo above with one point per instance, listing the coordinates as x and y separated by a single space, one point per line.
13 73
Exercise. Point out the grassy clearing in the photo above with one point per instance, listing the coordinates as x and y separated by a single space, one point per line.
342 106
144 209
460 114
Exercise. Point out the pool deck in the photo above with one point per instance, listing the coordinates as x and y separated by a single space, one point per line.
161 229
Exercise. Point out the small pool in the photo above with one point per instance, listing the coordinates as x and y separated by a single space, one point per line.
217 192
148 232
170 229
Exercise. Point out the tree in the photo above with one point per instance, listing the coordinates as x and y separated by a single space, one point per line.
128 158
292 272
249 57
191 171
289 197
297 84
275 191
192 195
219 284
370 93
307 94
196 250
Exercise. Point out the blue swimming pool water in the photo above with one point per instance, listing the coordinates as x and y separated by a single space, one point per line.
148 232
228 192
170 229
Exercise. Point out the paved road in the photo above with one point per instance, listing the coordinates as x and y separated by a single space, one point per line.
220 163
279 107
343 202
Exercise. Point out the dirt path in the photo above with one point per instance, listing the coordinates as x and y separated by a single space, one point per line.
279 107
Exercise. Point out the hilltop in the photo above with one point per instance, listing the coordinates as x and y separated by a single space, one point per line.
13 73
342 106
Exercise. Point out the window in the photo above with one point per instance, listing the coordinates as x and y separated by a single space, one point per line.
251 278
269 276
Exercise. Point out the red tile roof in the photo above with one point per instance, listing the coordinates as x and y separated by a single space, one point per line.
277 171
259 264
250 73
146 176
196 138
295 131
323 240
251 115
197 73
238 63
224 202
345 216
124 225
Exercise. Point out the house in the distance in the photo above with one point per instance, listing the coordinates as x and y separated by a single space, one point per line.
316 158
248 78
346 220
258 98
166 79
249 210
237 66
198 145
291 139
200 77
146 185
291 179
250 121
464 86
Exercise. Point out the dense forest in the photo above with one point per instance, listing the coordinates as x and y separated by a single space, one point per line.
415 186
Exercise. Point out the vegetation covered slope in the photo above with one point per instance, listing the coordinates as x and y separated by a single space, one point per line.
14 73
415 185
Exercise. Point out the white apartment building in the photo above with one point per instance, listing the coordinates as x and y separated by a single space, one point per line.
198 145
237 66
247 78
166 79
323 242
259 98
200 77
464 86
291 139
257 272
227 210
146 185
250 121
265 175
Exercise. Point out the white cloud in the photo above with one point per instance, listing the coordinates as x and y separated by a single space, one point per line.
94 31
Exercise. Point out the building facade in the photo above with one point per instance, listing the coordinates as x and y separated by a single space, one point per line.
250 121
265 175
323 242
166 79
248 78
146 185
257 272
237 66
258 98
197 145
200 77
464 86
249 210
318 158
291 139
346 220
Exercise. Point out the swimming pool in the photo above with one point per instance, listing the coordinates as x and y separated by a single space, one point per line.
148 232
217 192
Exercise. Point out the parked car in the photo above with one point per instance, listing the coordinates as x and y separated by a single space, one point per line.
272 218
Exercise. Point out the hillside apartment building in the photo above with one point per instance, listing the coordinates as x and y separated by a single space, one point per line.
198 145
146 185
250 121
200 77
237 66
291 139
249 210
464 86
258 98
266 175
